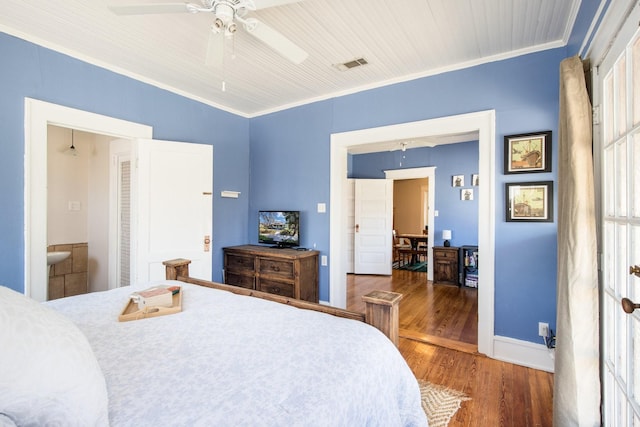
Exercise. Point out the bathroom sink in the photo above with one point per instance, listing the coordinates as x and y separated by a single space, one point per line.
57 256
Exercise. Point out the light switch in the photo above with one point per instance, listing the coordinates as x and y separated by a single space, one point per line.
322 207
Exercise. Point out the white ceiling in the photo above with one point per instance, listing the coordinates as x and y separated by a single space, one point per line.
400 39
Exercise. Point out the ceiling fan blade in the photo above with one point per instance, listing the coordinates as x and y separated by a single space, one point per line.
276 41
215 50
144 9
263 4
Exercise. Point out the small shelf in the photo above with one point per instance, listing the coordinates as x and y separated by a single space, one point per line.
469 266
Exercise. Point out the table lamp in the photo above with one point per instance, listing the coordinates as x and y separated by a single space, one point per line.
446 235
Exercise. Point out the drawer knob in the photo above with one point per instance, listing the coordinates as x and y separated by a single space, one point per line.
275 268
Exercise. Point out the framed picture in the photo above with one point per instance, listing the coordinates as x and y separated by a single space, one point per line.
457 181
529 201
475 179
466 194
527 153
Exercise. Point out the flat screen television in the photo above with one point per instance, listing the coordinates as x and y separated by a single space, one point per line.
279 228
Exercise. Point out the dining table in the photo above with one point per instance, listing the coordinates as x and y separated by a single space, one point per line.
415 240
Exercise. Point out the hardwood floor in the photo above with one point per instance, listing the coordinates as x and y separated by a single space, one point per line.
502 394
441 314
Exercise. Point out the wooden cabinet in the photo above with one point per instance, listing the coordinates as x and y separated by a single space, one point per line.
287 272
445 265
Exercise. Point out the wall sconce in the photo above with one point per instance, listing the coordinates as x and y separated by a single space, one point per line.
446 235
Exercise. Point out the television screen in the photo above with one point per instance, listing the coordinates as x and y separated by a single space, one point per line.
280 228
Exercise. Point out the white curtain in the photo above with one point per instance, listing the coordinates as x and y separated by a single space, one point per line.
576 397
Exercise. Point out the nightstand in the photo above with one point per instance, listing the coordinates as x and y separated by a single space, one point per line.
445 265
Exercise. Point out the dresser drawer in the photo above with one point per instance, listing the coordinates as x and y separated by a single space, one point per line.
275 267
278 288
239 262
239 280
442 253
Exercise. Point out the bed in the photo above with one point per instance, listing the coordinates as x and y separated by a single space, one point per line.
226 359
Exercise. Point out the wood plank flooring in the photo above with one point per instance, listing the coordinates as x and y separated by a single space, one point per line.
441 314
502 394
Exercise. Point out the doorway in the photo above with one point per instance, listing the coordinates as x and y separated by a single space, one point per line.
430 174
38 116
481 122
89 210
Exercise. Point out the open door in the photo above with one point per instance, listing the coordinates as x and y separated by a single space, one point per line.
173 190
373 228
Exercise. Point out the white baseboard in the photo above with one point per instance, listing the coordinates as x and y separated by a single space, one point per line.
524 353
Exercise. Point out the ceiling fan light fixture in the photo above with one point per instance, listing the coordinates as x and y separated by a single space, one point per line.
227 14
224 12
217 25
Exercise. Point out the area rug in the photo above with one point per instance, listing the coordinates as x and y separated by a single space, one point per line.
419 266
440 403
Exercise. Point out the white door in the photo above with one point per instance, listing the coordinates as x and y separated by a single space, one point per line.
619 89
173 195
349 192
373 216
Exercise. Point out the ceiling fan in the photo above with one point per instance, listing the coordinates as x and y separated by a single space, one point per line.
228 14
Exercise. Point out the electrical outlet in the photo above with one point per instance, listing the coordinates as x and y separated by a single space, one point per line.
543 329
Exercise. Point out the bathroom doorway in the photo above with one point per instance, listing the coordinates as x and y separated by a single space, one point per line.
88 210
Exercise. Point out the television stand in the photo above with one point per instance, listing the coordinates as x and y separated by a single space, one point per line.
283 271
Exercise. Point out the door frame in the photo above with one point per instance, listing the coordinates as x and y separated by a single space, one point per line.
415 173
37 116
482 122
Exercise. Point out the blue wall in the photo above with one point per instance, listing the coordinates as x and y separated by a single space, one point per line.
32 71
289 170
524 93
461 217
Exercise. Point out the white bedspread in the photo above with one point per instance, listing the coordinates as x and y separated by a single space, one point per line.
229 360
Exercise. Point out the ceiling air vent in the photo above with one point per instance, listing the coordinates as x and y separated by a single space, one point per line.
351 64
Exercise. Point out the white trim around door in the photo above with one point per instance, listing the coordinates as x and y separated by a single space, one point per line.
482 122
430 174
37 115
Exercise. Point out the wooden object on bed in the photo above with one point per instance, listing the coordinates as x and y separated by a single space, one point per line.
132 312
287 272
381 311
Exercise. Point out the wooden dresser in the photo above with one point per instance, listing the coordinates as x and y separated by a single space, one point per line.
287 272
445 265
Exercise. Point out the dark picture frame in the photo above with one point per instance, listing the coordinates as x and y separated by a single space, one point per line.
529 201
527 153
